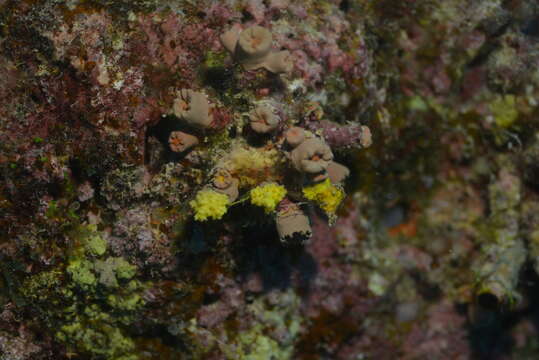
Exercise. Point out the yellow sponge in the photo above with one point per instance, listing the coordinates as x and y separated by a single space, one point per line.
326 195
267 196
209 204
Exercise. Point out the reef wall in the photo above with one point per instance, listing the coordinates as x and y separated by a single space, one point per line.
269 179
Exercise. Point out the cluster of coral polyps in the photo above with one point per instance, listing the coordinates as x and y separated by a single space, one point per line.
279 159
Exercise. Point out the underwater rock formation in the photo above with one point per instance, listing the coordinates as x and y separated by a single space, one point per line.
246 179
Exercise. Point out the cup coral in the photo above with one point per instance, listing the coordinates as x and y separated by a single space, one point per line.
222 179
267 196
292 223
263 119
337 172
294 136
180 141
252 48
193 107
209 204
230 38
224 183
365 139
254 44
243 168
311 156
279 62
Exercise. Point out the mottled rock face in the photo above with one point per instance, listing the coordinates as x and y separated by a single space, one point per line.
116 116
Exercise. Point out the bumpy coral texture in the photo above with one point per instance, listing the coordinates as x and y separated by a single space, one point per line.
209 204
267 196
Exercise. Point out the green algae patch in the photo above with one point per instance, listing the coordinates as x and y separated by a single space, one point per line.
416 103
257 341
123 269
96 245
105 341
113 269
130 302
42 285
89 302
504 110
81 273
88 240
215 59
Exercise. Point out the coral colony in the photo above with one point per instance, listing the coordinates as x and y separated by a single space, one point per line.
304 170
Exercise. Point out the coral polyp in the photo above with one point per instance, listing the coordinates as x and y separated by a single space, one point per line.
251 47
293 225
294 136
263 119
180 141
311 156
224 183
193 107
254 44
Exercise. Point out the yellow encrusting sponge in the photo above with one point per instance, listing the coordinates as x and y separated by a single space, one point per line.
209 204
326 195
267 196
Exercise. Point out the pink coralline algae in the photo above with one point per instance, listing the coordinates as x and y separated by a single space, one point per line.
342 136
178 45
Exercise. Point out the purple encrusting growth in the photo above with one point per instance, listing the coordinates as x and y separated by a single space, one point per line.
340 136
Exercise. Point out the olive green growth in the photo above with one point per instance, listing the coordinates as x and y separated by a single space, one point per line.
81 273
504 110
91 240
112 269
90 302
503 251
